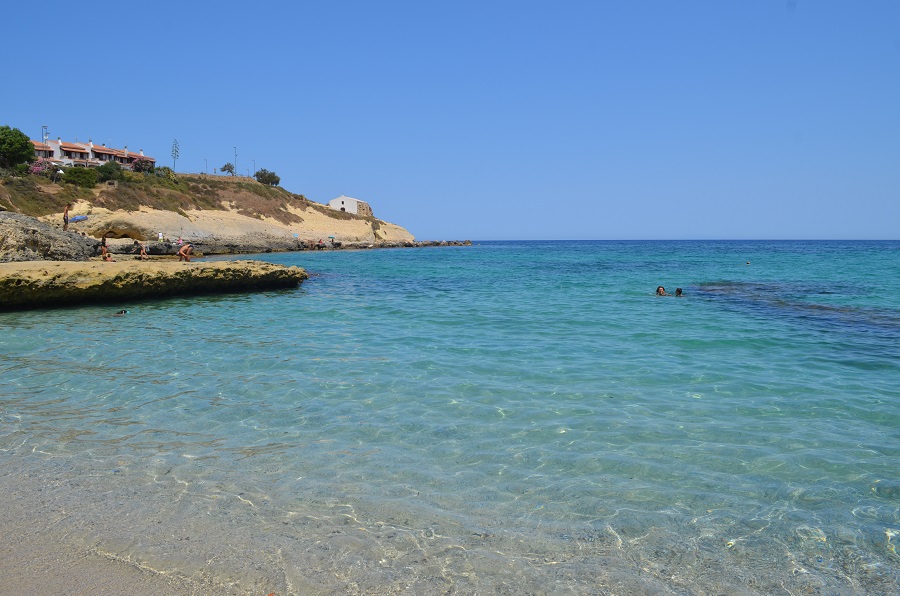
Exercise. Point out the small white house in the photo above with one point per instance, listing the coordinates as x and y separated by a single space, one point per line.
350 205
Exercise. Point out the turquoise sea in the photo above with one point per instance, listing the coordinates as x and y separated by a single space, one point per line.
509 418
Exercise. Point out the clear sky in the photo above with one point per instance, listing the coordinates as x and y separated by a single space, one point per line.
653 119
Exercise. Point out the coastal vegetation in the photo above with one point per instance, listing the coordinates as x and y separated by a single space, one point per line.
39 195
15 147
114 188
83 177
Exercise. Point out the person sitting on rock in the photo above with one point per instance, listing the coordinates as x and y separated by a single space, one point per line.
184 253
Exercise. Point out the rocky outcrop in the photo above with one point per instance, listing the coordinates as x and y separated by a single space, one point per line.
39 284
24 238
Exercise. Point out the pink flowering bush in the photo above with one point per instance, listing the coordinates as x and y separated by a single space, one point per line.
142 164
41 167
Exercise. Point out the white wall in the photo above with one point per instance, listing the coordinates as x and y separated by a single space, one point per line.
343 203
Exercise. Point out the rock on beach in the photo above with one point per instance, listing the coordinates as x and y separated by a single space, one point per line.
24 238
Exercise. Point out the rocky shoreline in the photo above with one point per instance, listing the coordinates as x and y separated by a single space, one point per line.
24 238
42 284
43 266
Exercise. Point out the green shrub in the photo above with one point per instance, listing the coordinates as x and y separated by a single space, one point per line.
166 172
111 170
83 177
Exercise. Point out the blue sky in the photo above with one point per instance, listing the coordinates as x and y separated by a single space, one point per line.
497 120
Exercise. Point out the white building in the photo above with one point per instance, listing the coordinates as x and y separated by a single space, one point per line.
350 205
88 155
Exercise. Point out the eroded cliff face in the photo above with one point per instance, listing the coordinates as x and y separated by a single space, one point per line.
224 231
39 284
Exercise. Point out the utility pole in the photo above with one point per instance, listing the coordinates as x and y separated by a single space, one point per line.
235 159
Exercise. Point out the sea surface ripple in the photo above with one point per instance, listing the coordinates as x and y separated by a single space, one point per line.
515 417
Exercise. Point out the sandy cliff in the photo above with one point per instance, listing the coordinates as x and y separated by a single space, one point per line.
225 214
230 231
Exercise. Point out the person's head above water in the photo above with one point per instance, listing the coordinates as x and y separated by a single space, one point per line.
678 292
660 291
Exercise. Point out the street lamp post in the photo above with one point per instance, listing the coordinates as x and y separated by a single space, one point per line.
205 166
235 159
254 166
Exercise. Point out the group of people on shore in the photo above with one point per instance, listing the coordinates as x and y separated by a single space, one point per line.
661 291
184 253
185 249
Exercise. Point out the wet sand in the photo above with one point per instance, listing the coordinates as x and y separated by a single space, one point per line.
35 561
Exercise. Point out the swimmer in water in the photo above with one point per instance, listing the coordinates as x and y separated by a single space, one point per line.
121 313
678 293
661 291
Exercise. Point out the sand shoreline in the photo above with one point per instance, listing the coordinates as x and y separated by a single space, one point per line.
35 559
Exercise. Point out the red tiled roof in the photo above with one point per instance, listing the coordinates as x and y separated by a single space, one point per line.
97 149
79 148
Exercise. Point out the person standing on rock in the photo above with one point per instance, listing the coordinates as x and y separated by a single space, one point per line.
66 217
140 251
184 253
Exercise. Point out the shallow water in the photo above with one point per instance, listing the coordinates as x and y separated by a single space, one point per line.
508 417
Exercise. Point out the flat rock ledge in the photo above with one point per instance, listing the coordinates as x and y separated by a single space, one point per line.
40 284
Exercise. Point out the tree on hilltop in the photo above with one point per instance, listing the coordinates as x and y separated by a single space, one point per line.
264 176
15 147
229 167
